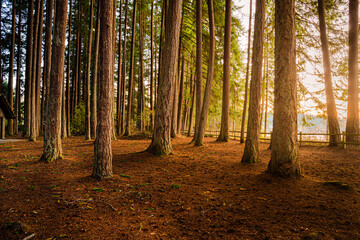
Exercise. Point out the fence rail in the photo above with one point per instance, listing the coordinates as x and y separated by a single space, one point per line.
235 134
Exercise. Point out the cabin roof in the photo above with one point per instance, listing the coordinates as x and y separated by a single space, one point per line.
5 107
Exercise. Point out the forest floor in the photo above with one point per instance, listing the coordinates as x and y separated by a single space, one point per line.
196 193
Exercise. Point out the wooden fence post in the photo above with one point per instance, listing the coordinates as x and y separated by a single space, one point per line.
300 138
343 140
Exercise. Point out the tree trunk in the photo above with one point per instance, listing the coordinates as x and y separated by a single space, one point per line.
11 70
152 69
87 82
333 122
28 73
284 150
210 76
161 141
198 82
94 77
192 93
141 100
38 70
118 98
68 98
123 71
33 132
47 57
181 93
131 74
52 145
242 135
224 129
251 150
103 152
18 66
352 123
113 129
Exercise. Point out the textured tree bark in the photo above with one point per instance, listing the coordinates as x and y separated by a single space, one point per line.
123 71
52 145
18 66
118 98
224 129
94 77
33 132
28 72
131 74
352 123
333 122
161 141
284 160
47 57
251 150
88 75
210 76
103 152
198 73
242 134
68 95
38 70
11 70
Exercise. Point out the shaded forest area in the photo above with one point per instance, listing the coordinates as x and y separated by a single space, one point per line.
91 81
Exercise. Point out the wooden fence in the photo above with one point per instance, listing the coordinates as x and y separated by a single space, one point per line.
303 138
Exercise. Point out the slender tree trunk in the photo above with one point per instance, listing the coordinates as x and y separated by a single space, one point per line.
11 70
33 132
131 74
192 93
266 96
251 150
94 77
141 101
52 146
118 98
87 83
352 123
68 79
38 70
47 57
333 122
113 129
198 82
224 129
210 76
181 93
161 141
28 73
174 124
123 71
18 66
103 152
152 69
284 150
76 79
242 136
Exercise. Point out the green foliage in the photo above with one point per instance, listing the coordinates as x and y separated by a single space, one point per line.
77 125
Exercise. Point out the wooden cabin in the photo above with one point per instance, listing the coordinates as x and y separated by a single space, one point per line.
5 113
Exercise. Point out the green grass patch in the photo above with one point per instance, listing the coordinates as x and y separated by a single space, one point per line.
175 186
